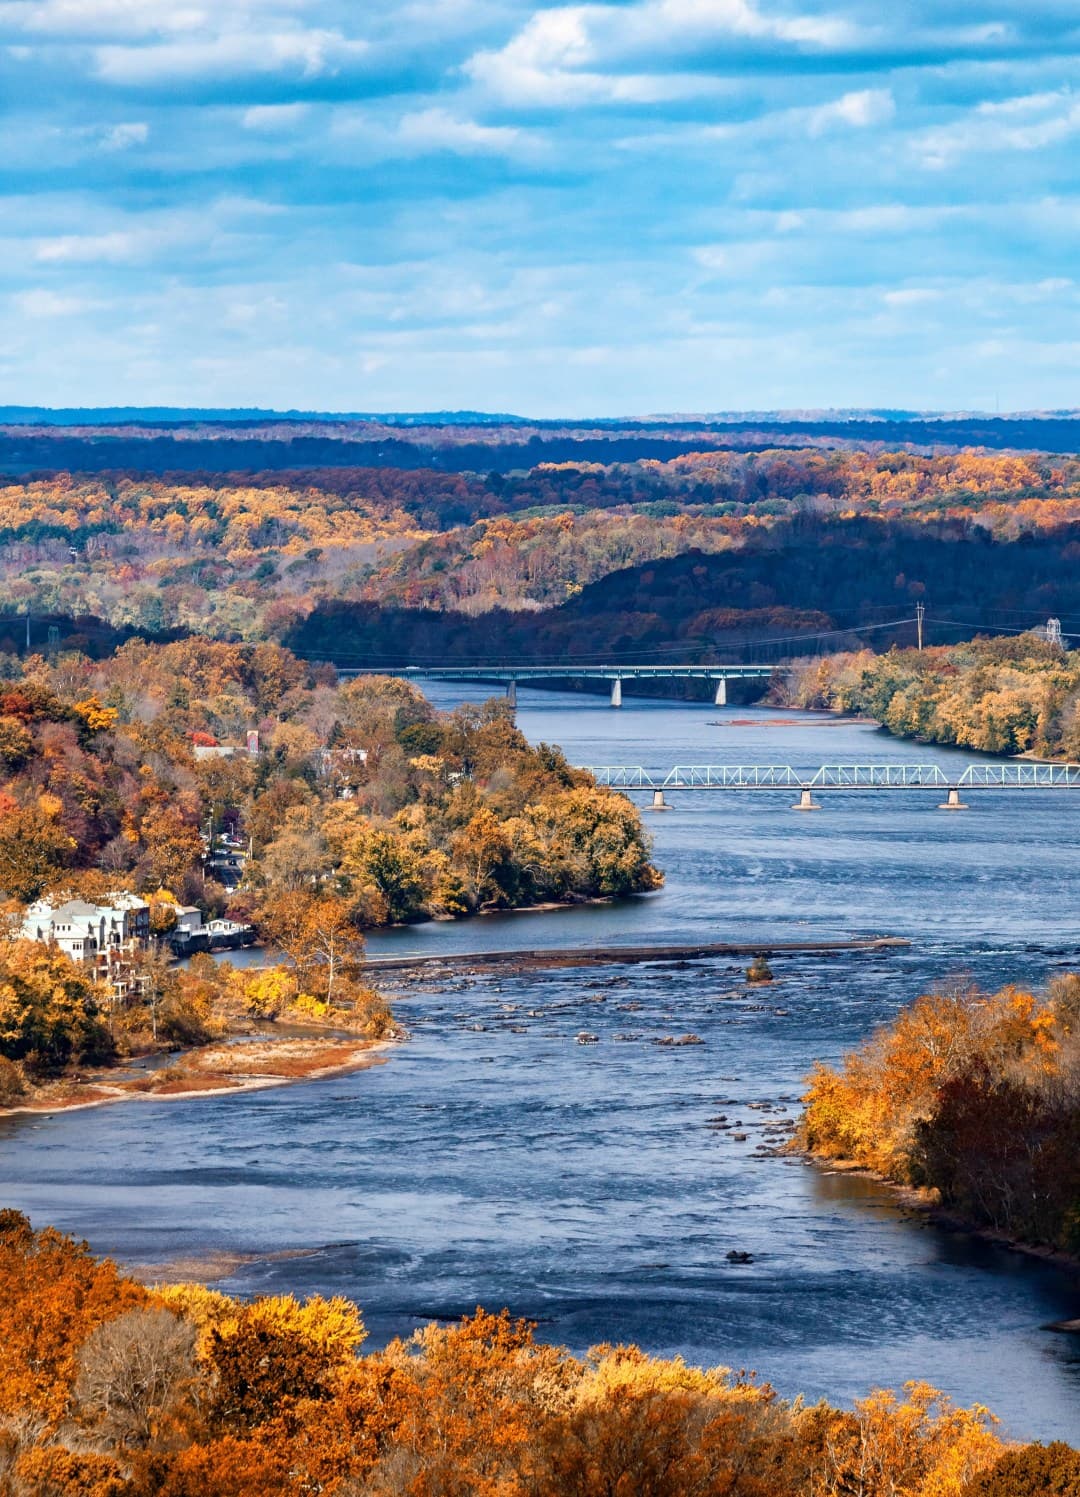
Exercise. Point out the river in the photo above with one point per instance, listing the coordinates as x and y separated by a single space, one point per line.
493 1160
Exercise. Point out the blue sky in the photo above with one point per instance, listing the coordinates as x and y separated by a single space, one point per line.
623 208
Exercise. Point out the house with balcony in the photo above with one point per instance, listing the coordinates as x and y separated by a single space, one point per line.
104 937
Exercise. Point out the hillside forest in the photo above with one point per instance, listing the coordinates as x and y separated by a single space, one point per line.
706 550
360 806
358 790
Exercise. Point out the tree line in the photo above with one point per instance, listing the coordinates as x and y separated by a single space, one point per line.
1016 695
110 1389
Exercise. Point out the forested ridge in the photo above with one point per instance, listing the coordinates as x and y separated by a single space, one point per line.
359 805
822 580
173 441
254 555
110 1389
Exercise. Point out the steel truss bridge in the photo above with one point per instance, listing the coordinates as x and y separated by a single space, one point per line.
511 676
1013 776
569 670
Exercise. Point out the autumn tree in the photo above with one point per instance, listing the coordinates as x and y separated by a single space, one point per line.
53 1295
173 846
16 743
481 851
50 1008
34 847
136 1377
316 932
1030 1471
275 1352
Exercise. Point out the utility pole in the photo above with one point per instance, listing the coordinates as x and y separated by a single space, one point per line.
920 614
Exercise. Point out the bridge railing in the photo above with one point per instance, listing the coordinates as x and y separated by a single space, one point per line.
733 776
1016 776
622 776
1019 776
837 776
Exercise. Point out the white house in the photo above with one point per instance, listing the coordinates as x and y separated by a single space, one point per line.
86 931
188 919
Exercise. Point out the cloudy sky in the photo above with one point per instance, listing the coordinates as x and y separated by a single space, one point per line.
638 206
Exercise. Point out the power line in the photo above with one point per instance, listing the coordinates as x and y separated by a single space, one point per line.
996 628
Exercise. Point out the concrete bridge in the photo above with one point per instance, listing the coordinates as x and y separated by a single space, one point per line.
509 676
1017 775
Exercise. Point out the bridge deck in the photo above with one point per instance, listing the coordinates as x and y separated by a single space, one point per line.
569 671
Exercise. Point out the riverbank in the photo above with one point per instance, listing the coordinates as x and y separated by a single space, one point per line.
924 1203
239 1065
1007 697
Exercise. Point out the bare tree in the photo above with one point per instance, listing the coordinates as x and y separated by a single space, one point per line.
136 1373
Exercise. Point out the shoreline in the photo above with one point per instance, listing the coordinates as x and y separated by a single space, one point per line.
838 718
950 1221
213 1071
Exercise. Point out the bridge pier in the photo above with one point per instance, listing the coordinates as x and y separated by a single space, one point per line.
721 692
806 802
511 691
616 692
953 802
659 803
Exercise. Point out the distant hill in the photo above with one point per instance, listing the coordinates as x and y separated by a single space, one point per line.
821 581
131 415
217 442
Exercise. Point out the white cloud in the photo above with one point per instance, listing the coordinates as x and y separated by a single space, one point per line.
860 110
857 111
547 64
911 296
117 248
307 54
125 20
439 130
96 18
1030 122
143 239
273 117
892 219
583 54
424 132
122 137
671 23
39 302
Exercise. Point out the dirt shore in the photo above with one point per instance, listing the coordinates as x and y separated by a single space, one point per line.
226 1067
